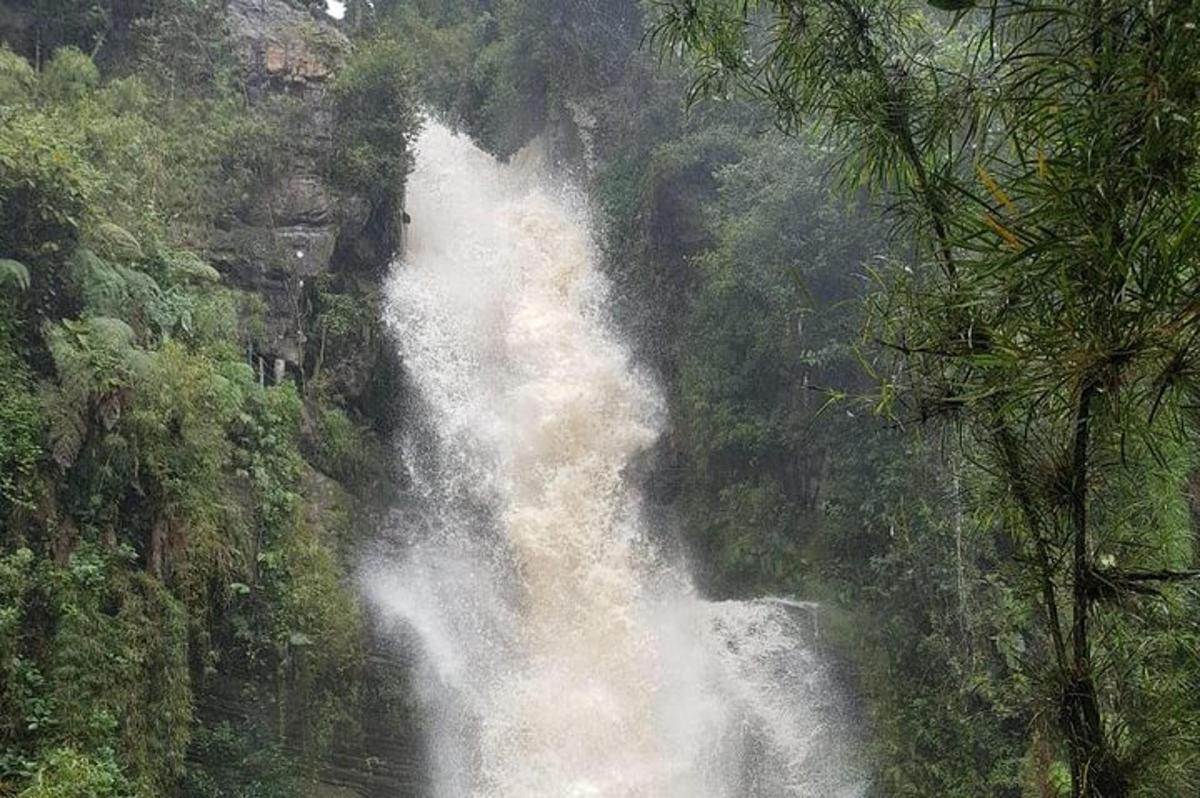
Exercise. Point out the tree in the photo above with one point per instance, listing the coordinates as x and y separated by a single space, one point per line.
1042 159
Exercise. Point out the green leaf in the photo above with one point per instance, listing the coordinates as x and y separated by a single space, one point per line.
15 273
299 639
186 265
116 243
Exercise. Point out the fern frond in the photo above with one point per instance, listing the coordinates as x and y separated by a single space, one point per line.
187 266
116 243
66 419
13 272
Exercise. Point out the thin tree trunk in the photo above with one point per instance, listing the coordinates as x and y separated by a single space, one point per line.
960 567
1025 503
1094 771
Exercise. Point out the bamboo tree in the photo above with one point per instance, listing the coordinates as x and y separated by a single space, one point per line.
1043 158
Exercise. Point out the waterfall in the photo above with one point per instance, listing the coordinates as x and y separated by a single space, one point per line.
561 653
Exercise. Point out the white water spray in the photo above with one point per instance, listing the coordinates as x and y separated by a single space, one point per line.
561 655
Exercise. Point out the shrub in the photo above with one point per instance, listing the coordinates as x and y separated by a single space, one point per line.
69 75
377 121
66 773
344 452
17 78
21 428
44 189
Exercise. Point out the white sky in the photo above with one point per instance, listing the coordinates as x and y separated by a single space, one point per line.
336 8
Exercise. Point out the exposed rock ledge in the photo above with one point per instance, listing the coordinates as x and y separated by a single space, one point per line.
286 233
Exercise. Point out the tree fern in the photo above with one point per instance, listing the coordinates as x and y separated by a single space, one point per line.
66 422
184 266
115 290
94 360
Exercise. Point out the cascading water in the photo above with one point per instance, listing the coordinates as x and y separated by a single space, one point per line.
560 653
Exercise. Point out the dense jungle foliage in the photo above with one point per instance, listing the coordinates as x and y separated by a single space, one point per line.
920 279
175 616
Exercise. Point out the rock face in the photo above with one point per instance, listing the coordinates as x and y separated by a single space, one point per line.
290 232
284 233
283 43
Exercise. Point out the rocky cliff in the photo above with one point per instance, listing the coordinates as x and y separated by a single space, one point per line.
295 226
283 234
301 244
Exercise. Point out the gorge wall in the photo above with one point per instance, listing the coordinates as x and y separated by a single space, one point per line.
301 243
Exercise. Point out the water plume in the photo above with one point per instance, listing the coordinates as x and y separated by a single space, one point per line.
560 653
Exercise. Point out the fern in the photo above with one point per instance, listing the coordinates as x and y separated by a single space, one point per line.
116 243
13 272
186 266
94 359
102 284
66 420
113 290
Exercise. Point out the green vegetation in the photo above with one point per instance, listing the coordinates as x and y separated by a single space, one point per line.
1048 319
372 100
174 610
919 279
